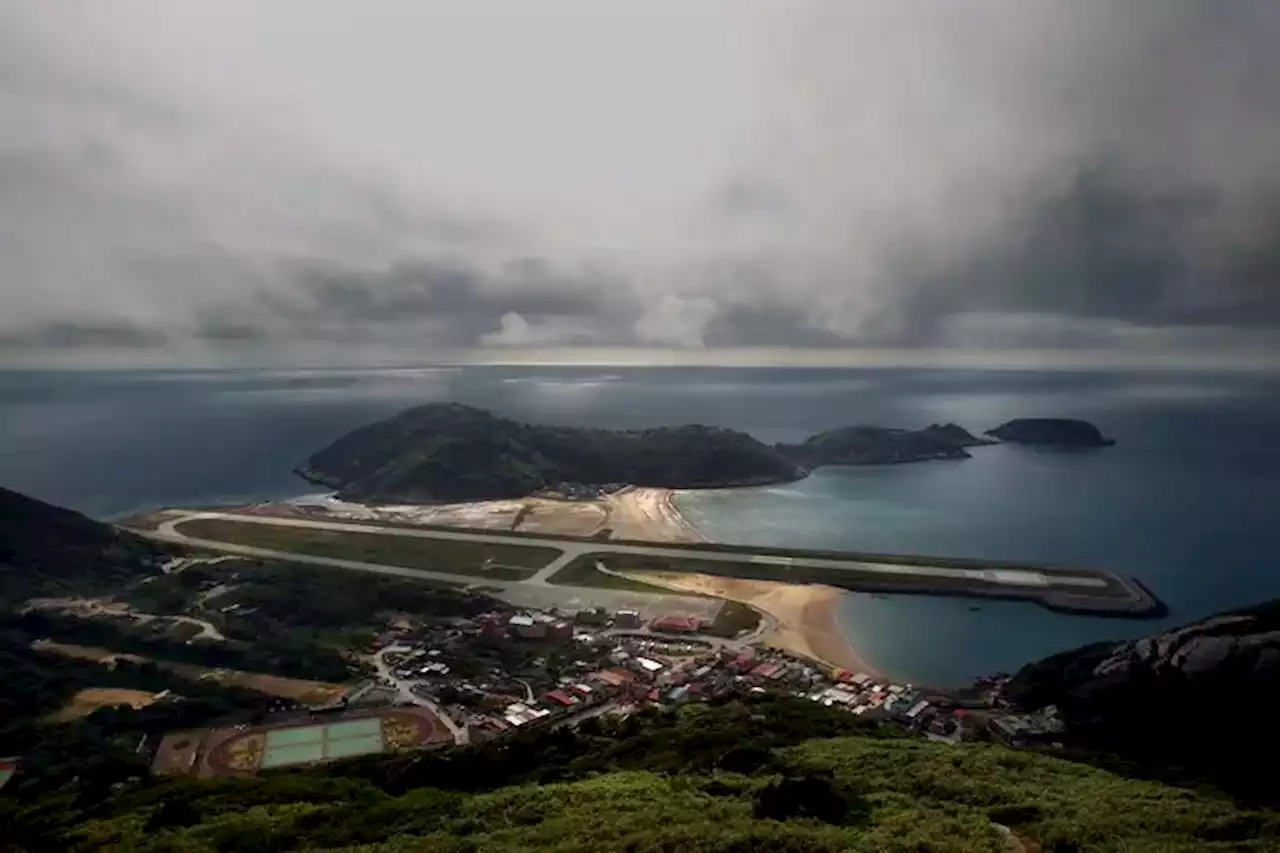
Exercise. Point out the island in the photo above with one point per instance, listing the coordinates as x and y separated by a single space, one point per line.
955 434
863 445
1055 432
453 452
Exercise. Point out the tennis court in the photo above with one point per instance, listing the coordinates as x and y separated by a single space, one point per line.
242 750
305 744
355 728
292 753
362 745
285 737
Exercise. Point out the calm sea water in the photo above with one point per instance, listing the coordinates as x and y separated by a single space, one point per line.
1188 500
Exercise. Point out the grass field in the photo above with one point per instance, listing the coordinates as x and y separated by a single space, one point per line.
583 572
734 618
510 562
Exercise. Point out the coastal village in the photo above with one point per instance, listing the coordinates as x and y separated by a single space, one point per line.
594 662
581 653
561 630
511 671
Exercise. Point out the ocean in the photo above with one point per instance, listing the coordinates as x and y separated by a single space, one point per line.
1188 500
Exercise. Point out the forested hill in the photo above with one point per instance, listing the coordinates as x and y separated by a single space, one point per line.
774 775
46 550
863 445
447 451
455 452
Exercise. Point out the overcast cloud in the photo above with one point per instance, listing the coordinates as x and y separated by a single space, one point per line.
419 177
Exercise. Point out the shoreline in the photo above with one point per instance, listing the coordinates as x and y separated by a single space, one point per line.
650 514
805 618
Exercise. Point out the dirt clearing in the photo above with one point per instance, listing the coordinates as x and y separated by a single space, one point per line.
91 699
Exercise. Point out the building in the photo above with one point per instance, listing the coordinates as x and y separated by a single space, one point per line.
916 710
767 670
385 639
648 666
592 616
627 619
615 677
523 625
561 632
562 699
675 624
518 714
492 626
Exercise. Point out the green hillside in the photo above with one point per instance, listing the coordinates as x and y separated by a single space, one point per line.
46 550
448 451
738 777
443 451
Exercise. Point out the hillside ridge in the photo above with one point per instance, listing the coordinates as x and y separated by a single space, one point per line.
454 452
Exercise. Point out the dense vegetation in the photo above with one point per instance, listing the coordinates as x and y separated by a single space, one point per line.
280 619
455 452
1170 701
50 551
774 774
1061 432
36 684
284 595
452 452
278 654
861 445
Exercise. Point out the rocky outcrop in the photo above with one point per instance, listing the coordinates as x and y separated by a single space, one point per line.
1056 432
955 434
1173 696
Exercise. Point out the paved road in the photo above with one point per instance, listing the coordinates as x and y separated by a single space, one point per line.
208 631
1012 579
460 734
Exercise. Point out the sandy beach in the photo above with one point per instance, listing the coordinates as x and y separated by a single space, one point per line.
649 514
805 618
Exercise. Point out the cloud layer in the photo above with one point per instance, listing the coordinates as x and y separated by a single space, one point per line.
425 177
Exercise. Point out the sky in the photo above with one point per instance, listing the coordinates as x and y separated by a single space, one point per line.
640 181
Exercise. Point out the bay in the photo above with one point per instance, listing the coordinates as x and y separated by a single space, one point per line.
1187 500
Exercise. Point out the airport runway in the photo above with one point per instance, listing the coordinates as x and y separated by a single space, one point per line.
1083 590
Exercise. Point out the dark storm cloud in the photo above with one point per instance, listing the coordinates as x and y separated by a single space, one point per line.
76 336
775 325
429 289
839 173
1105 249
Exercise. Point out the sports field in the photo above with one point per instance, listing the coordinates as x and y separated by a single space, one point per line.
245 750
